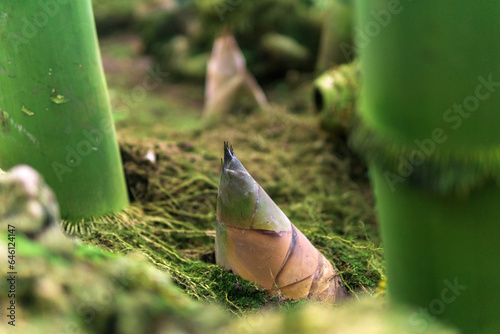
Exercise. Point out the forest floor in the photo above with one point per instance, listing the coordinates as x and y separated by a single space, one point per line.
312 177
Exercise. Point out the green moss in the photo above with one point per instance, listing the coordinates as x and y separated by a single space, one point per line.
176 251
61 291
99 292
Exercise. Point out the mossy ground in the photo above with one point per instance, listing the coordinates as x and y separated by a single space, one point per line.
314 179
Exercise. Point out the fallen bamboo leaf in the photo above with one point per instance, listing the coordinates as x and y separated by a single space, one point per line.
258 242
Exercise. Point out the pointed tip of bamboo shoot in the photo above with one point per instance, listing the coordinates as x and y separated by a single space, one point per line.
228 154
231 162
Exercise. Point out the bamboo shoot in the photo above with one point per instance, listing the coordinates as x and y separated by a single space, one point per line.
258 242
227 76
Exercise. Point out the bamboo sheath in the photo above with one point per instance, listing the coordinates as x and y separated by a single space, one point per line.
256 240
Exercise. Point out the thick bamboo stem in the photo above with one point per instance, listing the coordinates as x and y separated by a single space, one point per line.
430 118
54 109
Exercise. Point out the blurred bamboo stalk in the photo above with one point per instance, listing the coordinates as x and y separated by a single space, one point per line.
430 119
335 95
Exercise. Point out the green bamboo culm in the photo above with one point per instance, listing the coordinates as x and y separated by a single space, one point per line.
430 114
54 109
335 95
